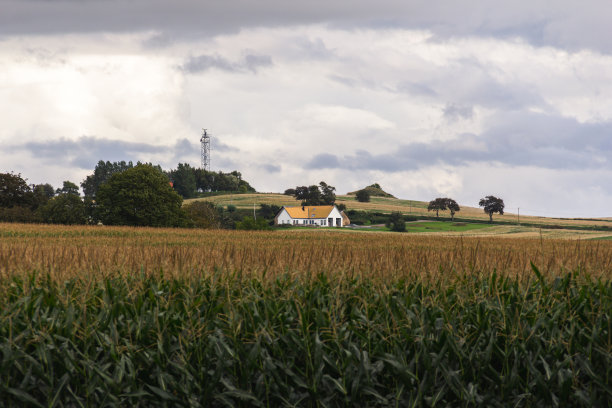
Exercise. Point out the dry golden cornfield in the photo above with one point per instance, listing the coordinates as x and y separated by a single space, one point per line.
64 252
142 317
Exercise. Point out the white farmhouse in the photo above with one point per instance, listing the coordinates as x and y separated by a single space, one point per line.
319 215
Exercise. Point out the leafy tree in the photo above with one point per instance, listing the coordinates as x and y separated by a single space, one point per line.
68 188
323 194
14 191
269 211
328 193
65 208
363 196
289 192
437 205
45 190
139 196
453 207
491 205
184 180
396 222
341 207
102 172
231 208
249 223
203 214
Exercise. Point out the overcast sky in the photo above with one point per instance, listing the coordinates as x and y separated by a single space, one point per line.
428 98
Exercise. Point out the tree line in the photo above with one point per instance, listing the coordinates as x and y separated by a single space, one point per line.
119 193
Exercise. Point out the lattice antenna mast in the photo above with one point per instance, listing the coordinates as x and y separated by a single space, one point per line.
205 150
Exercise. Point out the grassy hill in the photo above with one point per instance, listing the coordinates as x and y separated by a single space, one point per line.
506 225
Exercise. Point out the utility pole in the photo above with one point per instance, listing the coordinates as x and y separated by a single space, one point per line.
254 215
518 216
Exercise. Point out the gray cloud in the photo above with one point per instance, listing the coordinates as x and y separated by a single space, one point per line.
86 151
454 111
203 63
271 168
512 139
564 23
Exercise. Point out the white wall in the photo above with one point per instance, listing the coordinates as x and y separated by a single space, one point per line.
284 218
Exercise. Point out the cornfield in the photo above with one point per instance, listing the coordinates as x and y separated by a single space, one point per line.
97 316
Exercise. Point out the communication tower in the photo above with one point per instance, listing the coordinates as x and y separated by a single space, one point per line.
205 150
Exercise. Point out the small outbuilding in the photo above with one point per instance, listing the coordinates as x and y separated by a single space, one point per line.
312 215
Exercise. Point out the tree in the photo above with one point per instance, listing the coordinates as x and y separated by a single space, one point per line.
65 208
184 180
68 188
363 196
41 194
443 204
269 211
453 207
289 192
140 196
328 193
203 214
437 205
102 172
14 191
396 222
492 205
323 194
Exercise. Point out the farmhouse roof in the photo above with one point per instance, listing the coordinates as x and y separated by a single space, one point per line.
310 211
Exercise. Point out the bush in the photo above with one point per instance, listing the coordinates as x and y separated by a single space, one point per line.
363 196
396 222
203 214
249 223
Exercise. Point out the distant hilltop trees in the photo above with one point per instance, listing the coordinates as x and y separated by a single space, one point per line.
117 193
374 190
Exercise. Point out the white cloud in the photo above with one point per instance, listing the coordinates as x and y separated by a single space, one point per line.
419 110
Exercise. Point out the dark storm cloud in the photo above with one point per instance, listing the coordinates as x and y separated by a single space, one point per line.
513 139
564 23
203 63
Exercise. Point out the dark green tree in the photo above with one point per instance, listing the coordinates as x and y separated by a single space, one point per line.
68 188
102 172
491 205
453 207
328 193
184 180
140 196
269 211
363 196
14 191
323 194
66 208
437 205
396 222
203 214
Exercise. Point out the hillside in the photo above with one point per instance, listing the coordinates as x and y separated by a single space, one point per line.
407 207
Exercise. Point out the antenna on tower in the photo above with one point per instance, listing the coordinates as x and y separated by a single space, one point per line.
205 150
